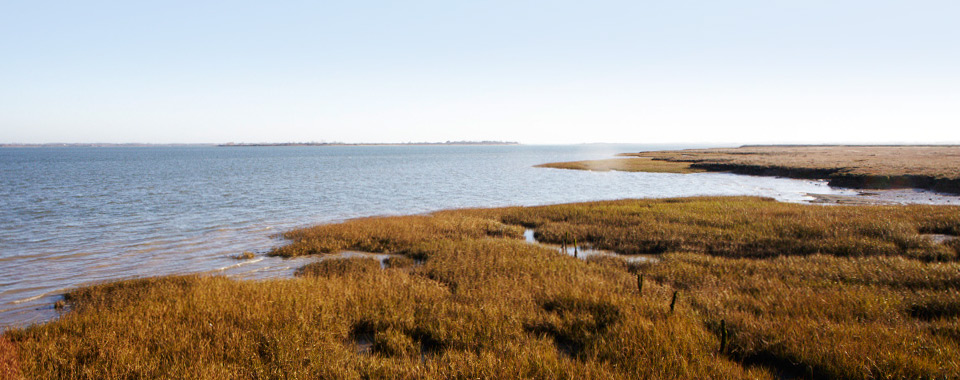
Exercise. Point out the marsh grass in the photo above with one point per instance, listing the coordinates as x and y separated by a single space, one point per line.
834 292
743 227
830 317
9 366
931 160
641 164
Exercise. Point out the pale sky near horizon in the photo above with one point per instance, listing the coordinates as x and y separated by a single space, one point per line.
721 72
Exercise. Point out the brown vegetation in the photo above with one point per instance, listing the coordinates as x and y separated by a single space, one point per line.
871 167
9 366
626 165
245 255
802 291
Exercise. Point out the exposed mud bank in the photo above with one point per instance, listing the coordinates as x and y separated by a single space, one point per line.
839 179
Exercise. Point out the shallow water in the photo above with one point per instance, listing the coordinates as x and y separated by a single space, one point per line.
75 216
584 252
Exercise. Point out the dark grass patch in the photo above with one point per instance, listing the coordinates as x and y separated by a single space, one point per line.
783 368
940 227
953 244
562 340
935 308
362 335
602 313
384 340
398 262
429 344
574 323
340 267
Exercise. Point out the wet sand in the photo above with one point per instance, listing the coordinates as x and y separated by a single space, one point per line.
887 197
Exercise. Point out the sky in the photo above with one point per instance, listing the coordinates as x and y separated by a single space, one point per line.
537 72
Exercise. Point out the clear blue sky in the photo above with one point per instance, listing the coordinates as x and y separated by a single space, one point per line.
530 71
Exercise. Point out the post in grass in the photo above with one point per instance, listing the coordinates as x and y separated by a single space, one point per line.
723 335
673 302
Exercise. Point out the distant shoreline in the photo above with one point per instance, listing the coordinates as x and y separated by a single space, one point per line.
930 167
143 145
370 144
97 145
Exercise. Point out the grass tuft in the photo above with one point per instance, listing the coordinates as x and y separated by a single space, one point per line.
245 255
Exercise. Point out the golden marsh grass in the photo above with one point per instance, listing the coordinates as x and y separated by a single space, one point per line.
806 291
626 165
941 161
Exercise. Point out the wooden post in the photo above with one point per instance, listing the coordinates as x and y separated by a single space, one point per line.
574 247
723 336
673 302
640 284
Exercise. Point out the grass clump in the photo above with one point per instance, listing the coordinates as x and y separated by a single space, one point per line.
349 266
245 255
414 236
808 291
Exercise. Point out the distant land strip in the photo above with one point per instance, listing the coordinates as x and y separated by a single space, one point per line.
371 144
95 145
930 167
230 144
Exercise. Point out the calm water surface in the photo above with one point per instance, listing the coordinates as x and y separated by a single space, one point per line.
74 216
